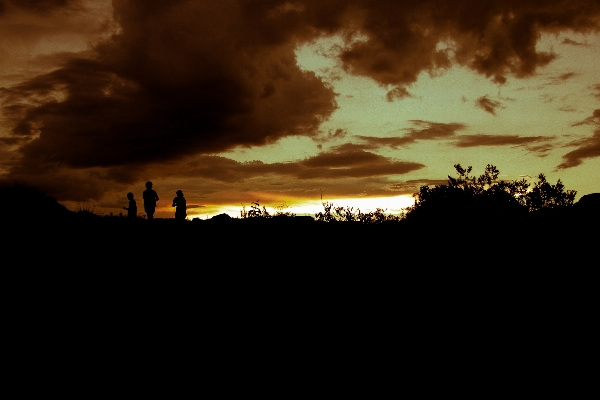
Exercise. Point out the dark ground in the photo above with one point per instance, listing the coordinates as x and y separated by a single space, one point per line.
560 239
539 238
233 290
491 298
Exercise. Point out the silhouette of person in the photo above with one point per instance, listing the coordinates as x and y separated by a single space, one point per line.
150 199
132 209
181 207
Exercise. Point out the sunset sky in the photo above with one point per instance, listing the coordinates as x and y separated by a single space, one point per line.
233 101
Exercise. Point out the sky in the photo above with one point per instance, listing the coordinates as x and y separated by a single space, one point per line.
294 103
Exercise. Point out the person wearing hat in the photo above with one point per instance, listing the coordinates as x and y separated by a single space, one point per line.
181 207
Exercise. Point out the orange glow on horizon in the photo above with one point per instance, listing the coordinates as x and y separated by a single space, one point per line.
392 205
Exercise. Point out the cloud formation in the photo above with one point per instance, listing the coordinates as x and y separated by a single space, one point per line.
422 130
488 105
37 36
425 130
495 38
498 140
185 78
346 161
35 6
596 90
535 144
572 42
557 80
586 148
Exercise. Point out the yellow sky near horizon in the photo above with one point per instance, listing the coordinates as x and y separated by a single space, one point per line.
545 105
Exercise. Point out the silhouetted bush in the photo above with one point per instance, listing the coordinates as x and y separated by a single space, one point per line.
469 198
348 214
280 210
544 195
255 211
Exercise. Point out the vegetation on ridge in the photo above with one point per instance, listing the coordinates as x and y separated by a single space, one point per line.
485 196
465 197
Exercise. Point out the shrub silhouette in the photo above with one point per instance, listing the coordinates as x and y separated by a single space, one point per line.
331 213
279 210
468 198
544 195
86 211
255 211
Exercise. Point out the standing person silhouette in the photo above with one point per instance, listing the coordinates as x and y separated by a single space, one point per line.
132 209
150 199
180 203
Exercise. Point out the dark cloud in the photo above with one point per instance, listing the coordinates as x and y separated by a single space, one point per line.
38 6
38 36
178 80
495 38
340 167
586 148
331 135
487 104
596 89
11 141
67 184
346 161
540 150
556 80
534 144
422 130
594 119
498 140
397 93
337 134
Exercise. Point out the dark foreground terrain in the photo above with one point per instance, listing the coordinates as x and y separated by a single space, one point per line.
228 292
235 287
565 237
543 237
232 276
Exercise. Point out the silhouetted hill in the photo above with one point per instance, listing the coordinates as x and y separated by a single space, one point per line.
590 203
23 203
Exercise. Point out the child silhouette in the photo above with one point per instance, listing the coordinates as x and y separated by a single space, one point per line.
132 209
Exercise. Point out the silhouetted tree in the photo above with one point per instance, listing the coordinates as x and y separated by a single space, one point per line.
468 197
545 195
